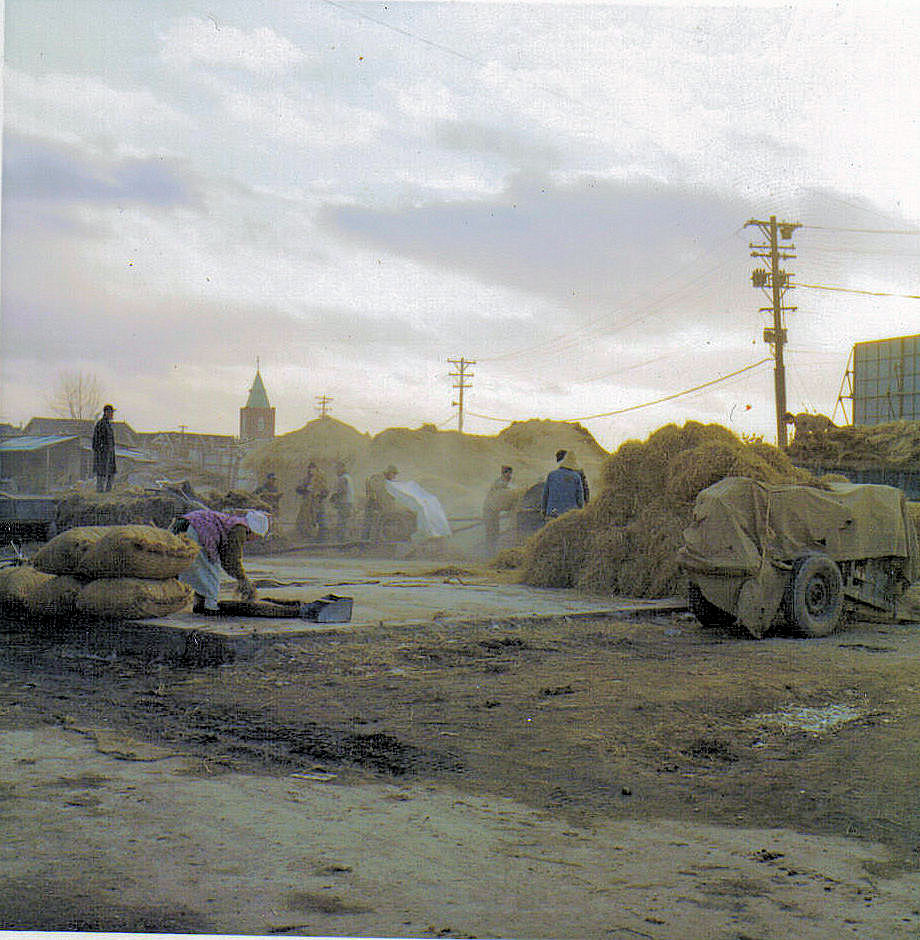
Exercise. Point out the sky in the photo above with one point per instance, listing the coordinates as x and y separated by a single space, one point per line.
354 194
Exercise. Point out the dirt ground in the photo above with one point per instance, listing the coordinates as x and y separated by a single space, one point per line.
561 778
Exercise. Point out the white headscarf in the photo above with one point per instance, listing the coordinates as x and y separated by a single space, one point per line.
256 521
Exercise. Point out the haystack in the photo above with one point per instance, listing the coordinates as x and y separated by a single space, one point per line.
818 442
625 541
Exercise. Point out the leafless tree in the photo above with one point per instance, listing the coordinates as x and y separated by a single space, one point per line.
76 395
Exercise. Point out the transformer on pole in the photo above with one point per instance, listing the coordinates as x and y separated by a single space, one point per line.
777 282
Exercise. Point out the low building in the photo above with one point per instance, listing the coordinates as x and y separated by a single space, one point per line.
33 463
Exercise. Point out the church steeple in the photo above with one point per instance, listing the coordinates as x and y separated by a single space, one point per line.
257 417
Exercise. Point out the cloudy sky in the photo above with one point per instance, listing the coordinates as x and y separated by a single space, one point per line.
356 193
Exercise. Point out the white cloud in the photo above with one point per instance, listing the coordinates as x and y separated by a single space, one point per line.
82 109
308 122
210 42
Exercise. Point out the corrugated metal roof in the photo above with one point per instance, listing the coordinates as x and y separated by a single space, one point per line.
128 452
29 442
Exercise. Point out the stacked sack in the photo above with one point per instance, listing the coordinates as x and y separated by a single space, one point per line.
119 572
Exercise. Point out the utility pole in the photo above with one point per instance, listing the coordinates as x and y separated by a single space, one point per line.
461 375
322 401
777 282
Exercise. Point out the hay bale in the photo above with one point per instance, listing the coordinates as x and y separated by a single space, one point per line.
138 551
64 554
132 598
17 583
56 597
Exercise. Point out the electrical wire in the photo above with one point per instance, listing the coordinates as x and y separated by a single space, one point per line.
648 404
853 290
865 231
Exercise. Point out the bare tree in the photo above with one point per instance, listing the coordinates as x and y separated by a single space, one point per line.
76 395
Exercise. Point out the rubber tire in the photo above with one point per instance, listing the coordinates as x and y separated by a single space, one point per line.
814 596
710 616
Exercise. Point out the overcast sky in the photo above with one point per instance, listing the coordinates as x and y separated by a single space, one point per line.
355 193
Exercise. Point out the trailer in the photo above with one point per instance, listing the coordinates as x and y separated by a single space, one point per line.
766 555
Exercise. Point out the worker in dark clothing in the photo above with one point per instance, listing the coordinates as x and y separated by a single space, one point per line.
563 489
104 450
560 456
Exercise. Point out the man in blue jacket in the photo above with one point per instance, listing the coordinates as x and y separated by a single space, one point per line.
563 489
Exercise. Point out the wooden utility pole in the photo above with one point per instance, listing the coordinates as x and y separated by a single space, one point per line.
322 403
777 281
461 375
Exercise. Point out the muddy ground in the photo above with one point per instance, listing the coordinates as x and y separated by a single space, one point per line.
561 778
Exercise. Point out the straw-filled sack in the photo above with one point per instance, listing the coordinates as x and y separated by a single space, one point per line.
132 598
139 551
56 597
64 554
17 583
132 551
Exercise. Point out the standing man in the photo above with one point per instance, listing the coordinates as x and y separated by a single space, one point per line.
104 450
312 513
343 498
560 456
379 503
563 489
493 505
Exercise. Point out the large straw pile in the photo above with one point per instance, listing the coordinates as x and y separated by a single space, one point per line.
818 442
625 541
457 468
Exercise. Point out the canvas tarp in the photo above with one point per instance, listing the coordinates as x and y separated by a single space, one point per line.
745 535
431 520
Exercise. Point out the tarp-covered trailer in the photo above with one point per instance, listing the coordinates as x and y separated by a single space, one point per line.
762 555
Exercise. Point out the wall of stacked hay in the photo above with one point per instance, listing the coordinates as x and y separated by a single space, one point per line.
625 541
457 468
819 442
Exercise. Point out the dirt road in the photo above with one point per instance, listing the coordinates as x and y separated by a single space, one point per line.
565 778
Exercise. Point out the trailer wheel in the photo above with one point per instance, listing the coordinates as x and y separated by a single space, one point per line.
814 595
710 616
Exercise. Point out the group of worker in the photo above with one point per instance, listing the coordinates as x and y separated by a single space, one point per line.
316 495
565 488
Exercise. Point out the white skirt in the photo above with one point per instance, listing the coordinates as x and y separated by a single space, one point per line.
203 577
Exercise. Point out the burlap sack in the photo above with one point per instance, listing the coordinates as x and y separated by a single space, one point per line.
132 598
64 554
138 551
56 597
17 582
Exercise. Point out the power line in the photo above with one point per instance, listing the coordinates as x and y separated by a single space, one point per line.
853 290
638 314
866 231
648 404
